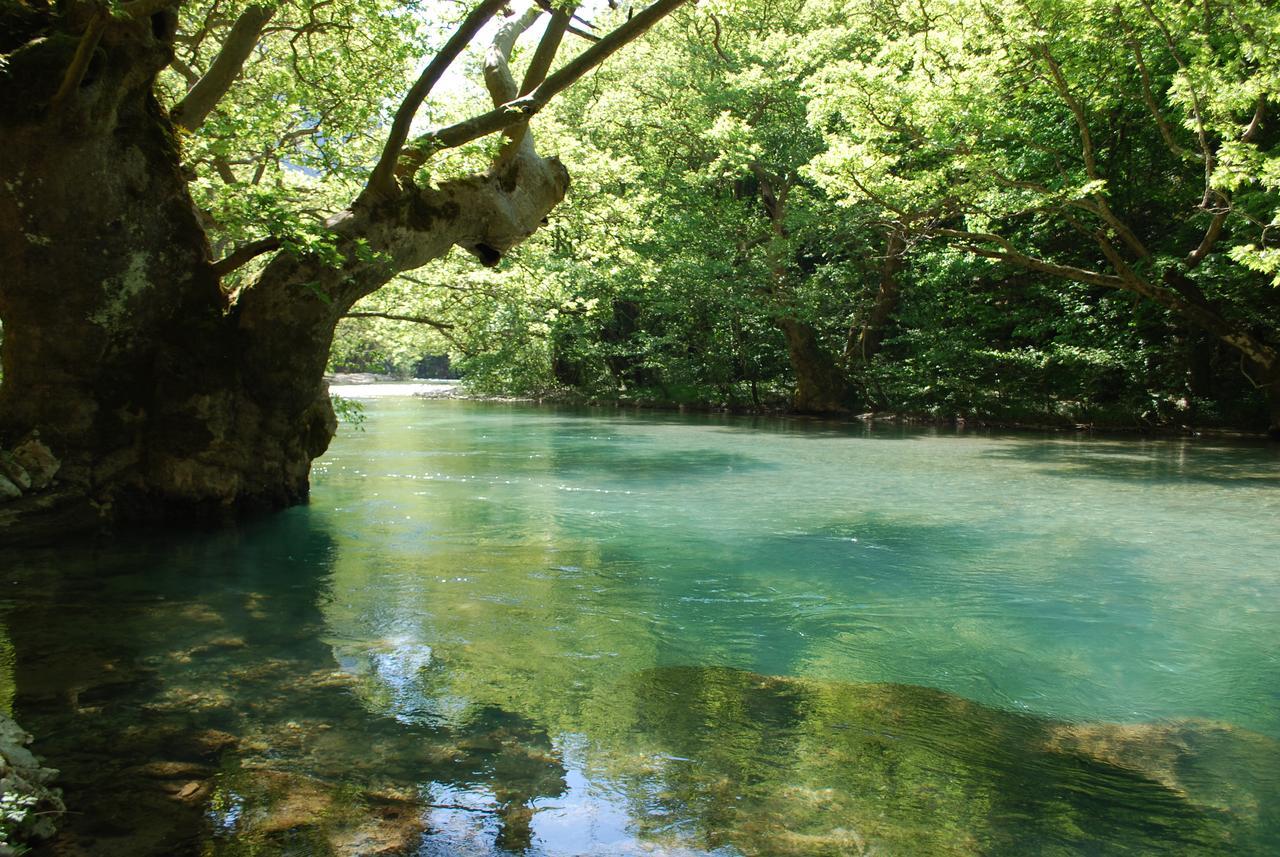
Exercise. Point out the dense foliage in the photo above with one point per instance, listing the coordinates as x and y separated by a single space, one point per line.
1028 210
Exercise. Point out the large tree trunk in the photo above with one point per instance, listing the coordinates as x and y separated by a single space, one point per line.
1273 403
866 341
163 396
119 349
821 388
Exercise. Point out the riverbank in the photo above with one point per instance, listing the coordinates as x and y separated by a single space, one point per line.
30 807
372 386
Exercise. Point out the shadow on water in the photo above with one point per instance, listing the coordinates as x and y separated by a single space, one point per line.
184 689
1241 464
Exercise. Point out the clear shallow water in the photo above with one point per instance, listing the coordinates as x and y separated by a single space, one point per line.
504 629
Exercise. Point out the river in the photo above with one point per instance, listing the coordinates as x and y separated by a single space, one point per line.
501 628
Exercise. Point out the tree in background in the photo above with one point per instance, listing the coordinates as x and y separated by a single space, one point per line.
1125 146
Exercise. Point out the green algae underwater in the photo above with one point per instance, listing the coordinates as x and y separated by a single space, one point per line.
509 630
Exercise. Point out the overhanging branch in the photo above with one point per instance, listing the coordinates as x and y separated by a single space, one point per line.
412 319
522 108
196 105
1009 253
244 254
382 181
535 74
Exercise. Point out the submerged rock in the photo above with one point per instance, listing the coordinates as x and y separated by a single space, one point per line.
31 806
38 461
785 766
29 467
266 808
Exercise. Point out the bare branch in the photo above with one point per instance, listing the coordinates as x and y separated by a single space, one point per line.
1180 295
1148 97
548 6
1197 103
223 167
382 181
583 34
1100 205
1259 112
1214 232
190 75
1211 235
196 105
715 41
524 107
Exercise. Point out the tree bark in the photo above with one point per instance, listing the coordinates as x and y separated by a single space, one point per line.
1268 382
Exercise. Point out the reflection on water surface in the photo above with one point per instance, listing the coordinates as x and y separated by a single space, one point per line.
509 630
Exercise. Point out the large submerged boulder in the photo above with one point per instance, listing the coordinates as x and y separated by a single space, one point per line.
29 805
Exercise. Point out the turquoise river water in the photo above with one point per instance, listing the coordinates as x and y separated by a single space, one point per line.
502 629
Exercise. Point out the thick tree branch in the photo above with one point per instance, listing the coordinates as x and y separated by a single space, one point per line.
497 69
382 181
1009 253
80 61
535 74
244 254
223 168
524 107
413 319
1211 235
1214 232
196 105
1259 112
1187 305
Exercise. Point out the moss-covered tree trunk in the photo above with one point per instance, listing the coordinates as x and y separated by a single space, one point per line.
163 395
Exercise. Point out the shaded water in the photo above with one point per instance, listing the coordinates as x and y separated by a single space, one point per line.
502 629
